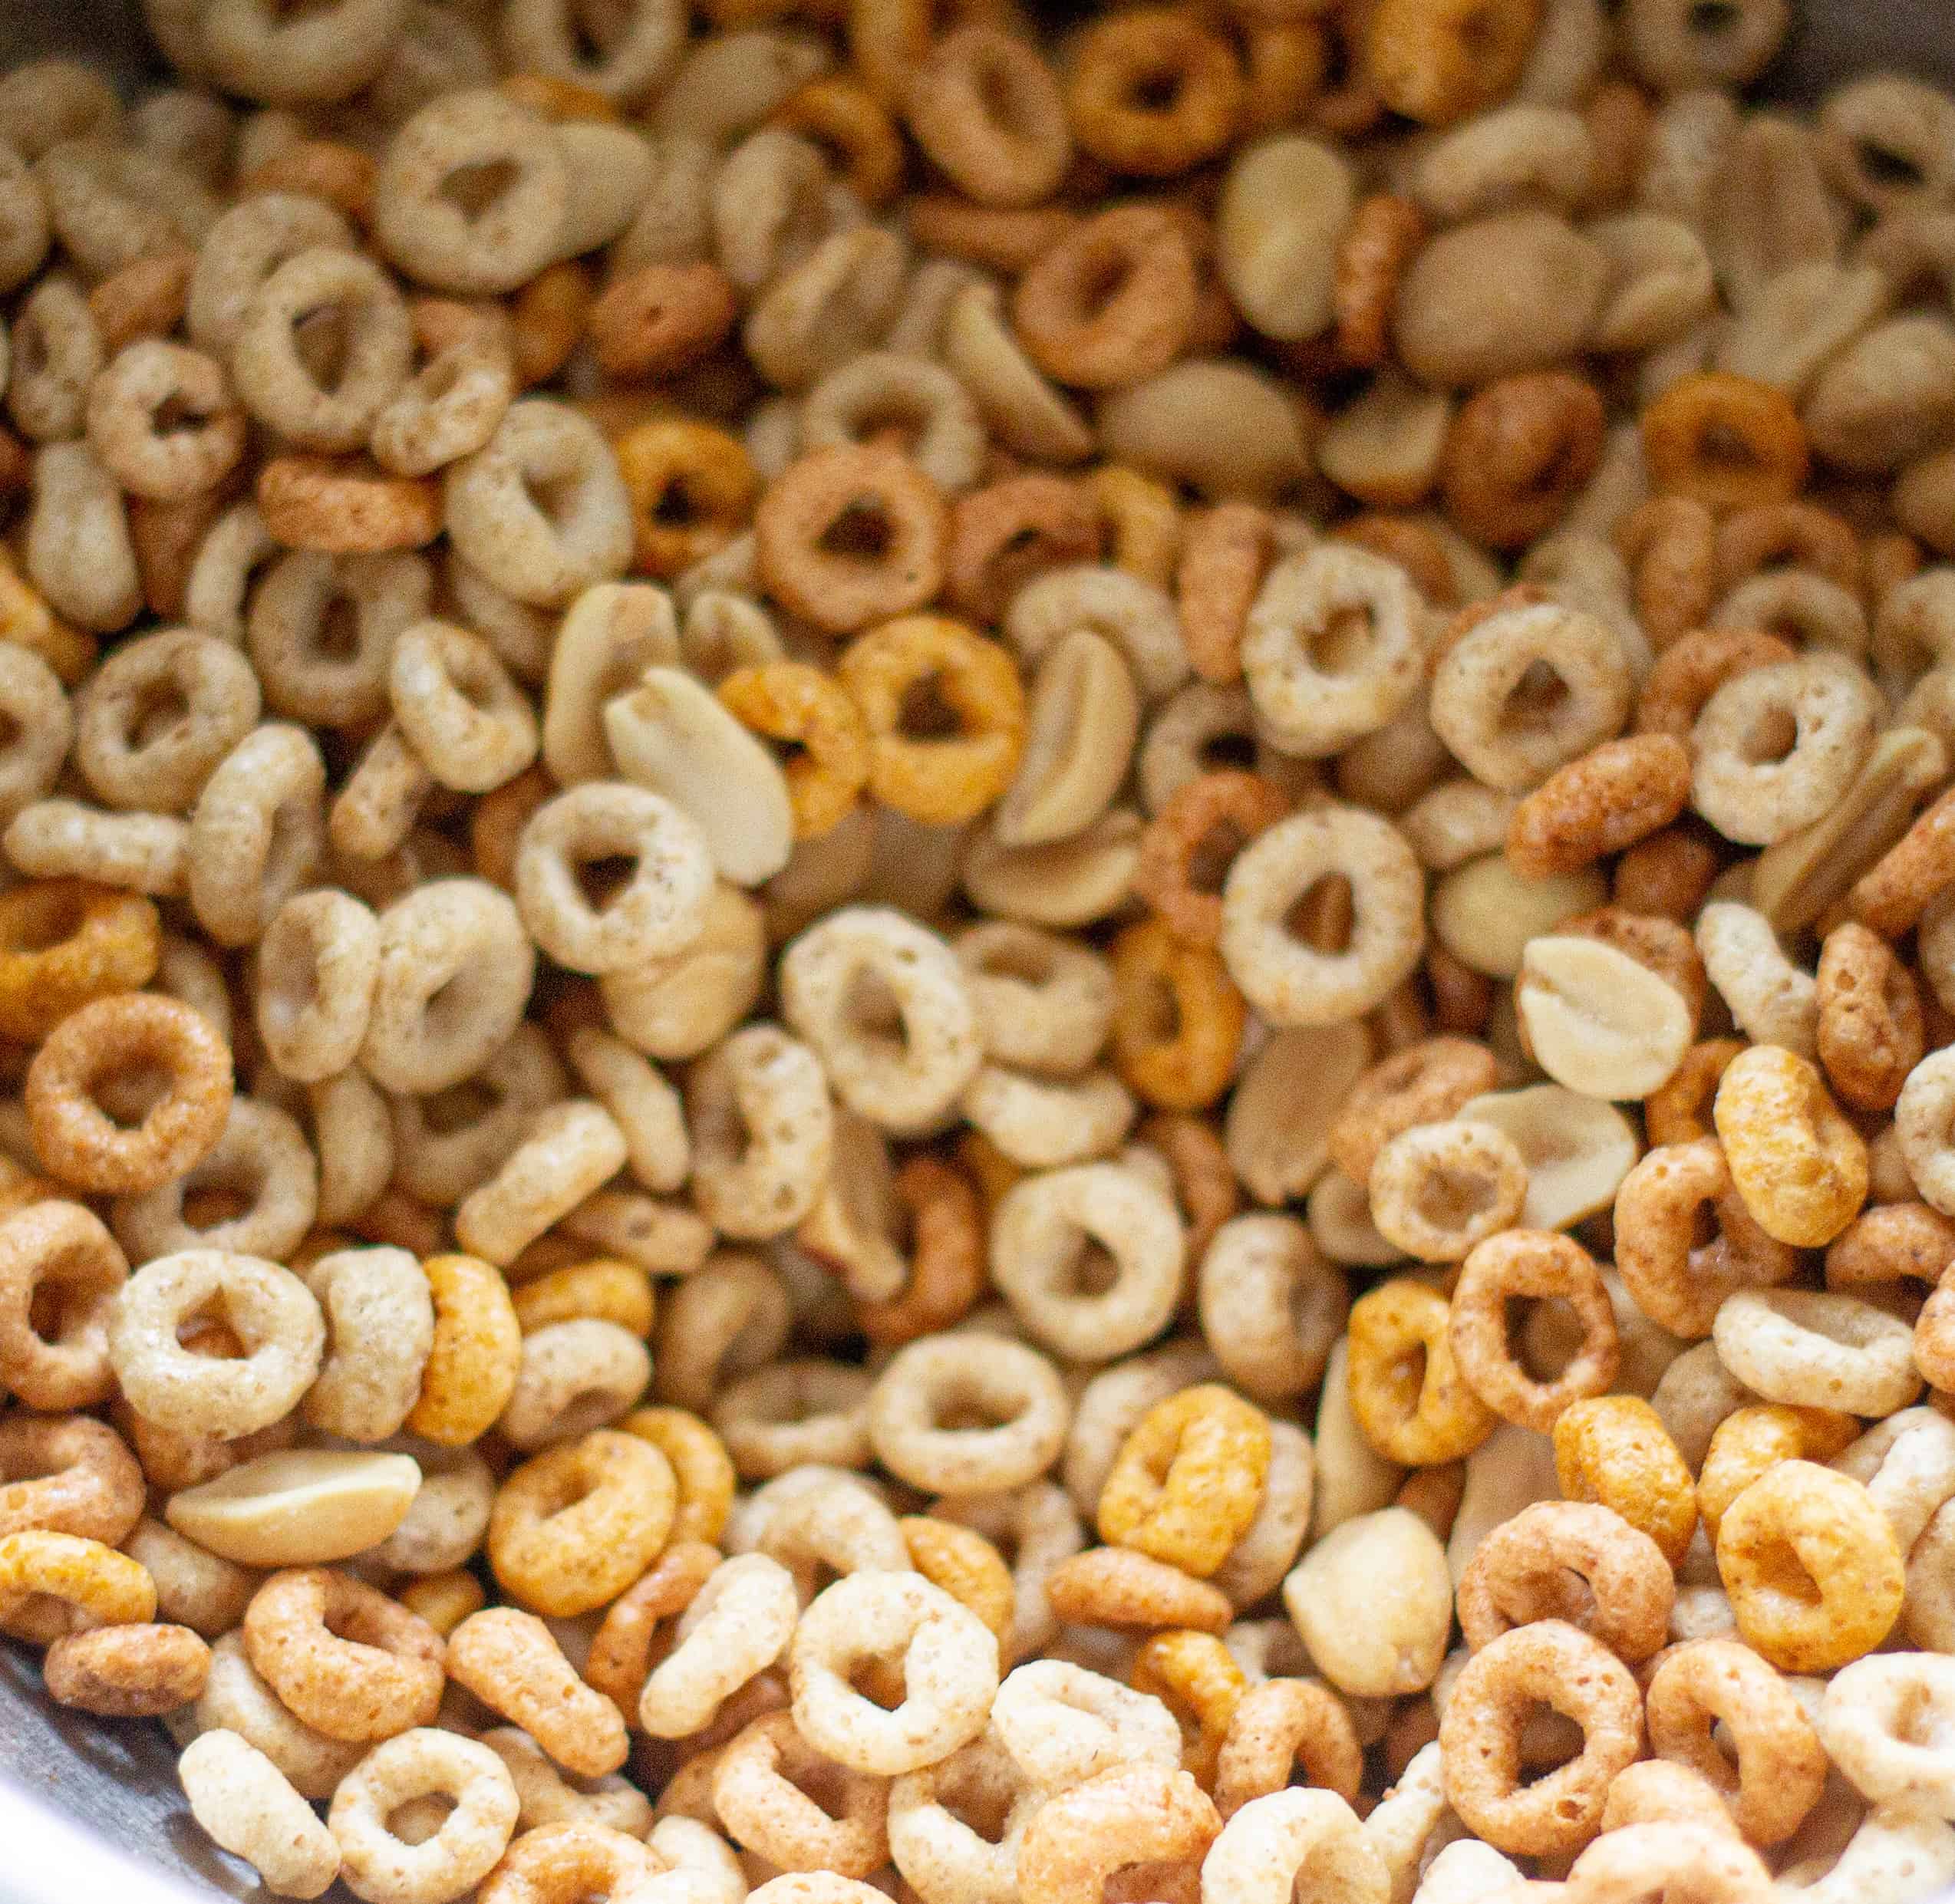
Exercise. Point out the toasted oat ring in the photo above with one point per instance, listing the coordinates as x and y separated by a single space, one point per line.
1079 333
1410 1397
947 1256
1436 61
1530 1263
1480 1737
847 119
345 505
1142 519
1077 1840
1124 63
1798 535
137 1671
692 488
1120 1587
79 1142
1814 1571
1178 1020
1668 543
757 1791
1679 1110
1613 1449
1224 555
627 1642
68 1475
570 1863
942 780
1278 1725
64 942
1006 533
1196 1677
1614 796
51 1584
575 1527
805 522
477 1351
1384 233
1870 1033
1204 821
654 322
60 1270
1187 1479
966 1566
1781 1765
346 1659
790 701
701 1468
1519 453
1621 1594
1727 441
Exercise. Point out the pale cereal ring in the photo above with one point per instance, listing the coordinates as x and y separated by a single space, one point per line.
377 1864
1076 1840
1294 983
757 1793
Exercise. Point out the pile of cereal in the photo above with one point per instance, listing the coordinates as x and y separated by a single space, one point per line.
954 964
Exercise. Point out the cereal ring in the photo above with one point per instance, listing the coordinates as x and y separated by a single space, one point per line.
1614 1450
1187 1481
1410 1398
1727 441
1799 1166
345 1658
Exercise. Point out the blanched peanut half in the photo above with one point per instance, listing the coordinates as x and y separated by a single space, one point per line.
301 1507
1284 205
1084 718
1024 410
1374 1601
1385 448
1600 1023
673 735
1578 1149
1483 913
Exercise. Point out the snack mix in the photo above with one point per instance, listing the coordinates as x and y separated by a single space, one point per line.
963 960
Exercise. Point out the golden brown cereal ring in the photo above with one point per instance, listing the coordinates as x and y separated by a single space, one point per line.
1224 556
1004 534
1871 1033
1799 1166
1812 1566
1781 1765
1480 1737
1195 1676
947 1255
1436 61
116 1035
1520 1573
1750 1440
654 322
702 1469
127 1672
343 1657
477 1351
1127 62
1179 1019
623 1648
790 701
1615 795
1614 1449
1280 1725
1204 821
55 1583
1410 1398
1077 1840
941 779
1187 1479
1078 334
68 1475
1725 441
1519 452
63 943
692 488
1121 1586
574 1527
511 1661
851 534
60 1270
1520 1263
966 1565
345 505
848 120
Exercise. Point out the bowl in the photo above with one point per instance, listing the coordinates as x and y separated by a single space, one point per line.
90 1809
